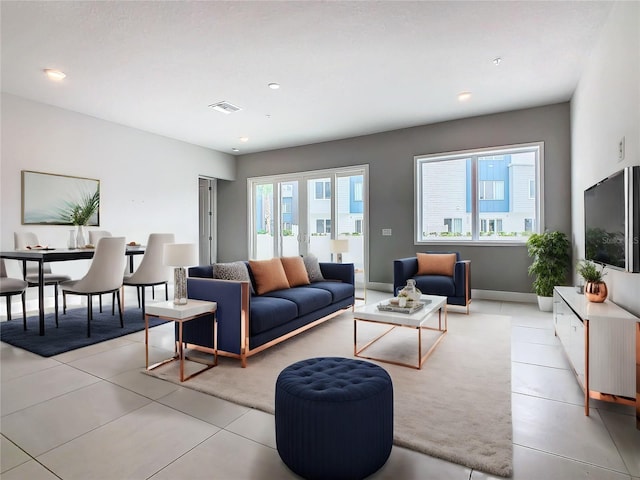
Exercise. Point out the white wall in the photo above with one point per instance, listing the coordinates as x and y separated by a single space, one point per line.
605 108
148 183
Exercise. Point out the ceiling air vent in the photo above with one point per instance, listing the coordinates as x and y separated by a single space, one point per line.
225 107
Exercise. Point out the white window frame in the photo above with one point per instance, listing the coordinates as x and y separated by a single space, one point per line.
476 239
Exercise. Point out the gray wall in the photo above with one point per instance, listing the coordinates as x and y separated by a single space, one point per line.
390 158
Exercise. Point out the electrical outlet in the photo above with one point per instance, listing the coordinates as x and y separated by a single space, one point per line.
386 232
621 150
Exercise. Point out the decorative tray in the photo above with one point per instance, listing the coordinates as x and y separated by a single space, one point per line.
408 309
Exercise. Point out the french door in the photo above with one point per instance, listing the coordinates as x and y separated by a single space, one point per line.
306 212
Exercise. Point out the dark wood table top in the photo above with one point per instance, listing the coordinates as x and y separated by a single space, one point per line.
60 254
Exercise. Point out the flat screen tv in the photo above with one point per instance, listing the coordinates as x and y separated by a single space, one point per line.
612 220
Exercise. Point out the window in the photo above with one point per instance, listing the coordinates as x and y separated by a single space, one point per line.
323 190
528 225
323 226
490 225
454 225
359 226
486 195
357 192
491 190
532 189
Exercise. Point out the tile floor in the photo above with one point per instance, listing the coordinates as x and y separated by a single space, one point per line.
91 414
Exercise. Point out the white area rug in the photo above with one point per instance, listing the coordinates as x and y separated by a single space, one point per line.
458 407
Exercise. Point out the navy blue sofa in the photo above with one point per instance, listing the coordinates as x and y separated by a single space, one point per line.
457 288
249 323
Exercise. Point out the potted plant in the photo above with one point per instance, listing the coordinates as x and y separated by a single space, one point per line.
594 289
551 262
80 213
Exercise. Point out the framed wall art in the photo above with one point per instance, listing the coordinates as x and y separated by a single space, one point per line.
51 199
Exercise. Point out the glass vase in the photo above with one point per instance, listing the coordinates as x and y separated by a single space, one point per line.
71 242
410 291
80 241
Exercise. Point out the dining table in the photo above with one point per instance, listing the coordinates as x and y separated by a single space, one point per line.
46 255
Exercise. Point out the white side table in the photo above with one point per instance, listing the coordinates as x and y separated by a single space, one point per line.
181 314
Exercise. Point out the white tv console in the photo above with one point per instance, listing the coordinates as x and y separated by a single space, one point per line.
602 343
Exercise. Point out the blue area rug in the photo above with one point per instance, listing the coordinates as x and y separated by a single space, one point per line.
72 330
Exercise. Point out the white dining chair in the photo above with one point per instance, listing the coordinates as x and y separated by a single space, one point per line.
104 276
151 270
95 235
20 241
10 287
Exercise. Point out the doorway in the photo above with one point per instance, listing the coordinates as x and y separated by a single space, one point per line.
207 247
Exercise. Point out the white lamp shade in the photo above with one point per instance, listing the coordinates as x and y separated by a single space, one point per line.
339 246
179 254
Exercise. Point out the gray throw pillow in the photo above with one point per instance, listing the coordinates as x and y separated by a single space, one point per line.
313 268
232 271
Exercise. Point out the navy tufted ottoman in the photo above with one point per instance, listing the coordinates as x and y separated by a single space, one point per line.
334 418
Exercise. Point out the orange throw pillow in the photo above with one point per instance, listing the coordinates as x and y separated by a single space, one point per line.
436 263
295 271
269 275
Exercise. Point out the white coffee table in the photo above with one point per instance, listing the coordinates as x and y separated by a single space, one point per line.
416 320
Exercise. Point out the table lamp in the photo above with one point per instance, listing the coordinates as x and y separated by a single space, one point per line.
338 247
179 255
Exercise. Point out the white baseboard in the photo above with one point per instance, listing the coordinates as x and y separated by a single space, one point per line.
503 296
380 287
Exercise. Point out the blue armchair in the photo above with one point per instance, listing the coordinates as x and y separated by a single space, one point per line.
439 273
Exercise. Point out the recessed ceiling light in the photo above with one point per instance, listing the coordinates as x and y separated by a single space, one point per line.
54 74
274 86
496 61
244 139
235 150
464 96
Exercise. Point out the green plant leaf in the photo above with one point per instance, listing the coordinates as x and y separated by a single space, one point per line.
551 261
81 212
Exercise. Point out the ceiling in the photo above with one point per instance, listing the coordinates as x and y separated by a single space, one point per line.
346 68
